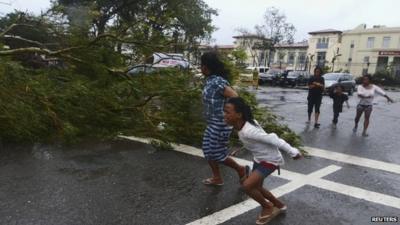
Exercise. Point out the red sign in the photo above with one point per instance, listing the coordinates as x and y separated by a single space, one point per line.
389 53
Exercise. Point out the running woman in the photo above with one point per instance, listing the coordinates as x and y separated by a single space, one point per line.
366 92
316 86
216 135
267 157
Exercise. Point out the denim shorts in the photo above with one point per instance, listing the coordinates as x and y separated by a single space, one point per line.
364 108
264 168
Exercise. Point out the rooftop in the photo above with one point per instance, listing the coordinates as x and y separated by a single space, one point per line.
362 28
303 44
326 31
255 36
217 46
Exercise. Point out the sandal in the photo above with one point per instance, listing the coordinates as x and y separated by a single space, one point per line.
265 219
211 182
283 209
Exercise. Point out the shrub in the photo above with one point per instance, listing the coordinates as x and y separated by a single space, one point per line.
385 77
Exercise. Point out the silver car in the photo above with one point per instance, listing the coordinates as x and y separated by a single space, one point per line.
345 80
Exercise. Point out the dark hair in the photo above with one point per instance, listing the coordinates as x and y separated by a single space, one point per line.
241 107
320 70
214 64
368 76
339 86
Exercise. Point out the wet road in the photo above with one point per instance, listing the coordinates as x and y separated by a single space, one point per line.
384 128
126 182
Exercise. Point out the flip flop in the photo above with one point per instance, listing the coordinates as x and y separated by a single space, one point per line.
265 219
246 175
283 209
209 181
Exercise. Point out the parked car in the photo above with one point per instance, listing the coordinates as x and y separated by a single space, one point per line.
144 69
168 60
296 78
272 77
159 61
346 80
282 81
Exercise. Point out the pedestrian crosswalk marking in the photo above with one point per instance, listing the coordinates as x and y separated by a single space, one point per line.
298 180
354 160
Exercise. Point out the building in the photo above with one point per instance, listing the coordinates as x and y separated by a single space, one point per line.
195 56
368 50
290 56
359 51
256 48
323 47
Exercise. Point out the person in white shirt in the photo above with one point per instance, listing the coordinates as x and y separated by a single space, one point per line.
267 157
366 92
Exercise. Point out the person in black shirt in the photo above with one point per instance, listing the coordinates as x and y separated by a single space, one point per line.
338 99
316 85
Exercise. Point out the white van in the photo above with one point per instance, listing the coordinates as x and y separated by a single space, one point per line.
168 60
159 61
260 69
247 75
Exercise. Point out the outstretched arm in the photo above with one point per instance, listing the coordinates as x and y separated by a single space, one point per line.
273 139
380 91
388 99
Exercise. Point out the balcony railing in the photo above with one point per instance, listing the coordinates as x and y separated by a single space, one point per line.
322 45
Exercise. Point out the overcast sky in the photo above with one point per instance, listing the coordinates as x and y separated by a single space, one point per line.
306 15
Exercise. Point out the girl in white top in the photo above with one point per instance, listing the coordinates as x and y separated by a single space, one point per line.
366 92
267 157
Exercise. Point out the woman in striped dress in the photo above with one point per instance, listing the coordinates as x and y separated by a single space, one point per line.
216 135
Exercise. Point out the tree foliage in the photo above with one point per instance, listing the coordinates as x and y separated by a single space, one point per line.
63 77
87 92
276 27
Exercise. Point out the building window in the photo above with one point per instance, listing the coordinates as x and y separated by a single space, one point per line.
350 59
322 43
291 58
302 58
281 56
321 59
386 42
370 42
273 57
366 59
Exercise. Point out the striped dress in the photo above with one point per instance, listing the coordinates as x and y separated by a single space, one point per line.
216 135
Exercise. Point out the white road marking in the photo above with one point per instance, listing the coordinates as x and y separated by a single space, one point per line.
354 160
298 180
245 206
359 193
